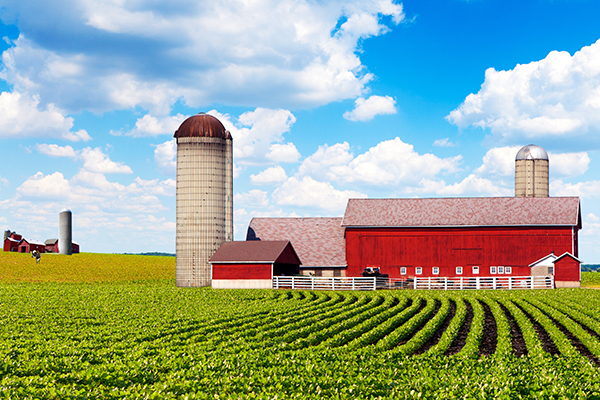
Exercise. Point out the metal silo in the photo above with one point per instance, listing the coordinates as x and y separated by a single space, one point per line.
204 196
532 172
65 232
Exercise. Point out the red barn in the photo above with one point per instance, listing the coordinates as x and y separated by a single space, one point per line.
459 236
252 264
27 246
11 244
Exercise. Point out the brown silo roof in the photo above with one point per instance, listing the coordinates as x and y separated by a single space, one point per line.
202 125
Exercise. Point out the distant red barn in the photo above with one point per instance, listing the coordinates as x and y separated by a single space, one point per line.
252 264
27 246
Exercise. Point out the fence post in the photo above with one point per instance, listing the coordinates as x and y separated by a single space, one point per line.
445 283
531 277
461 283
477 283
353 283
509 282
332 283
374 283
552 282
428 283
312 283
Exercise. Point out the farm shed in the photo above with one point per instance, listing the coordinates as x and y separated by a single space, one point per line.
27 246
11 244
458 236
319 242
52 246
252 264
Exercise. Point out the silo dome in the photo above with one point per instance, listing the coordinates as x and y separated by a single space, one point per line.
532 152
202 125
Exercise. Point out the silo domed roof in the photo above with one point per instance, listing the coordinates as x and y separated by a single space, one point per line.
202 125
532 152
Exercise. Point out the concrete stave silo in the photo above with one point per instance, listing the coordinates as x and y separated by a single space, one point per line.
65 232
532 172
204 196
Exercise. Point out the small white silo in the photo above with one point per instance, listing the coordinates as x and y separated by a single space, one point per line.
65 232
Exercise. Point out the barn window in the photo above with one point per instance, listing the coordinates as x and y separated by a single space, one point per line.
436 270
475 270
550 270
337 272
508 270
492 270
500 269
402 270
418 270
458 270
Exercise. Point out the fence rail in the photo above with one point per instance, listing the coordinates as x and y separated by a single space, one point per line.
431 283
485 282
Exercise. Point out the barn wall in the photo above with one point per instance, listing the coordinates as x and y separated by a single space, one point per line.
446 248
242 284
242 271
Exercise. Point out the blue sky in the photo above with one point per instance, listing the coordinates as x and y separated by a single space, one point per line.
325 100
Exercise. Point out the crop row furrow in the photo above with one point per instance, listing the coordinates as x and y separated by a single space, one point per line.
533 342
427 331
585 343
354 327
449 335
556 336
340 323
471 347
404 331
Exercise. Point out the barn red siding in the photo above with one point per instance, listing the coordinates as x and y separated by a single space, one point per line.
241 271
567 269
447 248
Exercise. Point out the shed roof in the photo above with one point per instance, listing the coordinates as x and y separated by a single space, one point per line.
567 254
256 252
50 242
469 211
318 241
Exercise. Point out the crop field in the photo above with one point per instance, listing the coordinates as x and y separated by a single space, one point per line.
149 339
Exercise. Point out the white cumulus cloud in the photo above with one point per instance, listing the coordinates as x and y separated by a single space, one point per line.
367 109
165 157
253 198
21 115
269 176
94 160
150 125
307 192
557 96
54 150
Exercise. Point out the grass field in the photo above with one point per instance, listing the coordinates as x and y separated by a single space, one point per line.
140 337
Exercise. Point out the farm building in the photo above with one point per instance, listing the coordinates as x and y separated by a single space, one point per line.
252 264
51 246
407 239
319 242
27 246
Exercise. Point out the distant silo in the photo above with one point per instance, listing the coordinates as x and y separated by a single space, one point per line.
204 196
65 232
532 172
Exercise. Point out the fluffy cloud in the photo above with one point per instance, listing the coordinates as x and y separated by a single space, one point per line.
391 162
54 150
367 109
274 52
95 160
499 161
149 125
53 186
557 96
588 189
21 115
253 198
165 157
269 176
472 185
308 192
257 135
569 164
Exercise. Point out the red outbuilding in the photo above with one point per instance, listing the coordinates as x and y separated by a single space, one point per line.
27 246
252 264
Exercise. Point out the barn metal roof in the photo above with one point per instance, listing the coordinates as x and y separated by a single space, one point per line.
202 125
457 212
256 252
319 242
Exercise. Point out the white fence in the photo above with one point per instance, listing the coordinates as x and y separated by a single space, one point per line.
485 282
431 283
324 283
